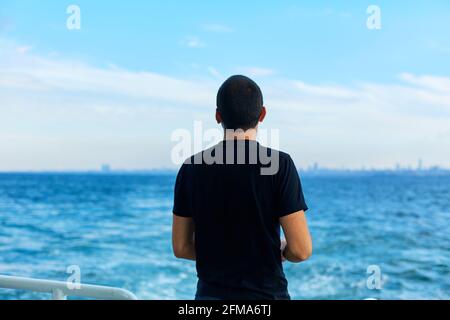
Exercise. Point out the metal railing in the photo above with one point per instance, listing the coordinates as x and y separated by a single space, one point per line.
60 290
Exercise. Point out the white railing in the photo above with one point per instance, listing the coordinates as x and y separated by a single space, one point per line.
60 290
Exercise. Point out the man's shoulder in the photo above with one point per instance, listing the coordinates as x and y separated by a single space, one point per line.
283 156
198 158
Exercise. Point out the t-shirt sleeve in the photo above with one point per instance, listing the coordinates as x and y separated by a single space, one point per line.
181 195
289 193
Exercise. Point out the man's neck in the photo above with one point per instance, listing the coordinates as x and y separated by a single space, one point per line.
250 134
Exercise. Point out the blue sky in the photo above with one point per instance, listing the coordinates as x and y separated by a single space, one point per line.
323 41
341 94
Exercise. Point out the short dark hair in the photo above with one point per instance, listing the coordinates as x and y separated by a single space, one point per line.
240 103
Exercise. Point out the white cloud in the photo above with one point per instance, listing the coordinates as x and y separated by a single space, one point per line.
24 49
215 73
326 91
45 75
256 71
217 28
66 114
431 82
193 42
371 124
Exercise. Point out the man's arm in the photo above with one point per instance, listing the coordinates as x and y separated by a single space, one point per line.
183 237
299 244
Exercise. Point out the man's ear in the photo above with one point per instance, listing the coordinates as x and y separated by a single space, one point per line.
263 114
218 116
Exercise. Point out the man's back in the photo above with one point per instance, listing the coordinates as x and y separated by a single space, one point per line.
236 209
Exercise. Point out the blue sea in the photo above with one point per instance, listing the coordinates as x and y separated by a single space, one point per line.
117 229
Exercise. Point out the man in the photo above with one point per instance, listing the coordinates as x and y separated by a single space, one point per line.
228 211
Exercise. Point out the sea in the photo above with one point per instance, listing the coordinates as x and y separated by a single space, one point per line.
375 236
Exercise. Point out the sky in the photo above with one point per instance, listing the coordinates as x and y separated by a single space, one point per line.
114 91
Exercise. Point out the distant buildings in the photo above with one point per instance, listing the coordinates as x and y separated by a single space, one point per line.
419 164
398 169
106 168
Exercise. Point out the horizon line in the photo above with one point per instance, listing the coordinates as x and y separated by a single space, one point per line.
310 169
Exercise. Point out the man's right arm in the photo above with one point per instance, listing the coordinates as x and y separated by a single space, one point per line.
298 238
183 244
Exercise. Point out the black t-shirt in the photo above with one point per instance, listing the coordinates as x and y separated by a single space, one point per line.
236 195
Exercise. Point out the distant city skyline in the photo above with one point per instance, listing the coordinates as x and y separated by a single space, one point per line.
312 168
114 89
